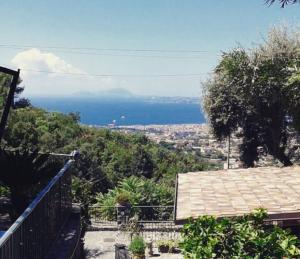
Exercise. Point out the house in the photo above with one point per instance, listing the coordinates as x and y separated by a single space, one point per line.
227 193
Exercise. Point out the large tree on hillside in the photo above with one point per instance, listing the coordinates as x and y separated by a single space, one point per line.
257 93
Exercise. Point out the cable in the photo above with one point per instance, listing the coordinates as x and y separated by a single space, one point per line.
113 55
114 75
107 49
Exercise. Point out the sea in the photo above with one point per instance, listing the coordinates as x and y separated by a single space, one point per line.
102 112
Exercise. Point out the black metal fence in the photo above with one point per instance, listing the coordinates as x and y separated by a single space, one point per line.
152 222
33 233
141 213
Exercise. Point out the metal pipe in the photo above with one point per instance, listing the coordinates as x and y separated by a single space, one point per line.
10 98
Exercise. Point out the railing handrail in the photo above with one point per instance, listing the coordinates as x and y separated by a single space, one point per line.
135 206
34 203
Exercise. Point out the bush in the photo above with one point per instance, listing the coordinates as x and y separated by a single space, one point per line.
137 246
139 192
25 174
4 191
123 198
240 237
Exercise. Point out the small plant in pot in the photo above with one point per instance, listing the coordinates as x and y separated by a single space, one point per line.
168 246
123 207
123 199
137 247
163 246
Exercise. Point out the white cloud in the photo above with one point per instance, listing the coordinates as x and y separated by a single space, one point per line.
34 59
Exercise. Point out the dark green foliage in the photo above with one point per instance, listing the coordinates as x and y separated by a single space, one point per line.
4 191
82 194
137 246
25 173
139 192
257 92
107 157
239 237
5 81
123 198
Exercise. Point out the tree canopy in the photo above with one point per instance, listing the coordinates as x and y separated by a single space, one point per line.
257 93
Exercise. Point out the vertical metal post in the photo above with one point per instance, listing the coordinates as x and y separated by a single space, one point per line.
10 97
228 152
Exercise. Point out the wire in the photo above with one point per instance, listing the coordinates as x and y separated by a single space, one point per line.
110 54
114 75
107 49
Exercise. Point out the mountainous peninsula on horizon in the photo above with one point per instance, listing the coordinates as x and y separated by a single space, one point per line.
124 95
121 107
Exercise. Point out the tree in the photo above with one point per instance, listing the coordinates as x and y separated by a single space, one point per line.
257 93
25 174
4 85
282 2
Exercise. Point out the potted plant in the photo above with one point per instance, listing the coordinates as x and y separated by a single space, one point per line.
137 247
163 246
174 246
123 199
123 207
168 246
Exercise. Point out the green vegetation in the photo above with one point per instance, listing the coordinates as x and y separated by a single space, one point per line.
256 93
137 246
138 192
24 174
4 191
240 237
108 160
123 198
107 156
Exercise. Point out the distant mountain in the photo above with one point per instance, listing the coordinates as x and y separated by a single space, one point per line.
110 93
121 93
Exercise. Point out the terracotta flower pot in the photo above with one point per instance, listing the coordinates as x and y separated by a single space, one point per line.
138 256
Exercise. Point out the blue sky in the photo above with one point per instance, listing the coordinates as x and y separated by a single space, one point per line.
209 26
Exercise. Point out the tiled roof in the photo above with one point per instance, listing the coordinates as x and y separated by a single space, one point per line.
238 191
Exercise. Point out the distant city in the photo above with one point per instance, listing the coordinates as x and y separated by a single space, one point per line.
198 138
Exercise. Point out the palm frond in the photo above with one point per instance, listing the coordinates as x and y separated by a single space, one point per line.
282 2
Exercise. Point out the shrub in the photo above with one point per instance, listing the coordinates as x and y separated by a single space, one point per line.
25 173
4 191
139 192
137 246
123 198
239 237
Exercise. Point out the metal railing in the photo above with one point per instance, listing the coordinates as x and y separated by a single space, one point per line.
152 222
33 233
159 230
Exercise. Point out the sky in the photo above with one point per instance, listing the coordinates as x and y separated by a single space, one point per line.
148 47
